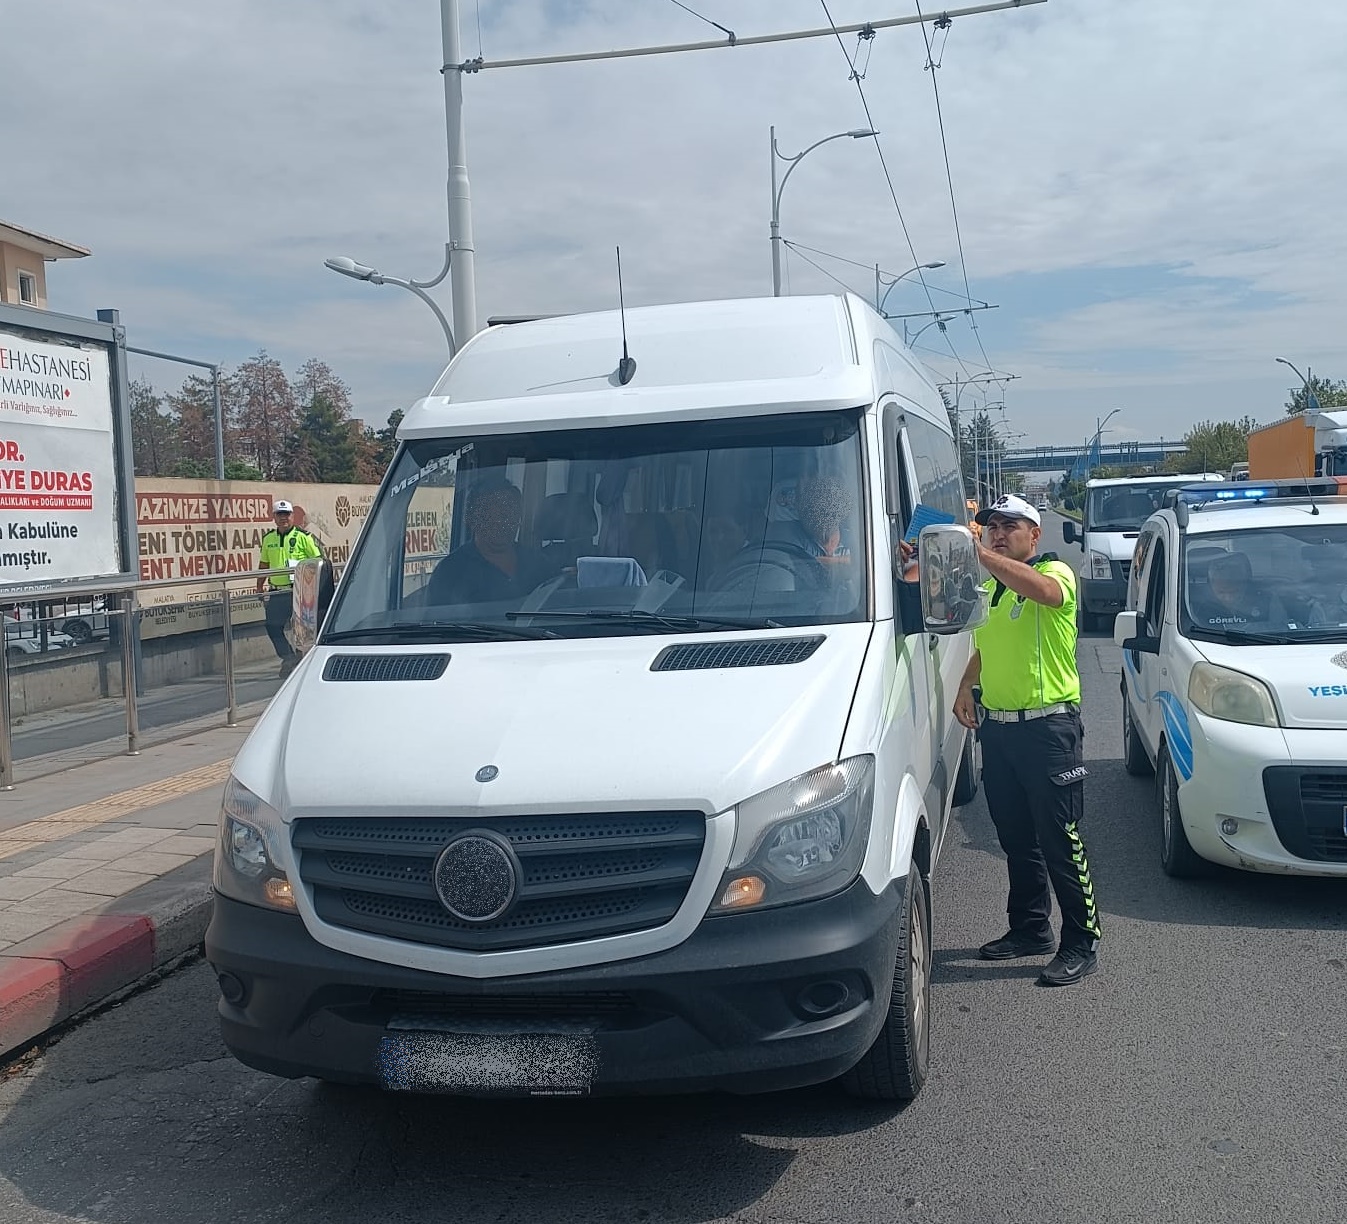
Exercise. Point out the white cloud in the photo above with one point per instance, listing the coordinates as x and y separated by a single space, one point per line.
212 156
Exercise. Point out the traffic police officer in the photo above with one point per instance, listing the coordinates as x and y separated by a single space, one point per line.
1034 778
282 546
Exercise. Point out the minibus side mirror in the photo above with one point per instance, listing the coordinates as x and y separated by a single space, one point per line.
952 598
1128 634
1069 532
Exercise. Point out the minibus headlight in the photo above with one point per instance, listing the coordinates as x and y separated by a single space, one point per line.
245 868
1220 692
1099 566
801 840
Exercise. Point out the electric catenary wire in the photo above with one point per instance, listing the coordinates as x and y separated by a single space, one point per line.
869 267
932 66
888 178
700 17
800 251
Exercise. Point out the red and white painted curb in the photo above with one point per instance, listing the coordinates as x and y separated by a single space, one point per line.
52 976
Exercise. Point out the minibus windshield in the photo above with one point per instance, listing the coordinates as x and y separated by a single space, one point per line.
748 523
1124 507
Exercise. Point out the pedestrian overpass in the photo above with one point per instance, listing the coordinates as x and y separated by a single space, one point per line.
1088 454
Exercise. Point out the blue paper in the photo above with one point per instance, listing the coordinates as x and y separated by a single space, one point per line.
925 516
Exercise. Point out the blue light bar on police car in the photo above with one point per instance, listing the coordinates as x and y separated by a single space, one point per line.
1266 490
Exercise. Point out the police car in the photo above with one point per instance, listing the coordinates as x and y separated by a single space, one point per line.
1234 677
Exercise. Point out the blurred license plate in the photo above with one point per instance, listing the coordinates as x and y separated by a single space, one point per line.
418 1058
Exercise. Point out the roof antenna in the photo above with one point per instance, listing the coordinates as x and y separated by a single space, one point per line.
1300 467
626 368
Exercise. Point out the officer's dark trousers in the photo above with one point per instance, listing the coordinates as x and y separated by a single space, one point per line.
1034 780
279 604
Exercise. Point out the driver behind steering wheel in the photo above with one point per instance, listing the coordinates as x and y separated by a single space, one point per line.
821 507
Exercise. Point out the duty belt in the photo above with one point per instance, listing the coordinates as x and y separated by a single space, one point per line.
1014 716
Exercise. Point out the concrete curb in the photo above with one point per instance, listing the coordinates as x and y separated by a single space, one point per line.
79 964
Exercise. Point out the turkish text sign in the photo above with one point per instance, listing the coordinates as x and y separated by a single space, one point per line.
58 476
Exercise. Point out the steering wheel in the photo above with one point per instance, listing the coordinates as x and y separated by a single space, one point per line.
752 559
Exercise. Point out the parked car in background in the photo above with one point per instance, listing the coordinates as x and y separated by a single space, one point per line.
16 644
82 622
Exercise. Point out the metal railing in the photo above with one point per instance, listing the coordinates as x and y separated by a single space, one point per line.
120 612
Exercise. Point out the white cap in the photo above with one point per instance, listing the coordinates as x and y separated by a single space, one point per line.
282 507
1009 506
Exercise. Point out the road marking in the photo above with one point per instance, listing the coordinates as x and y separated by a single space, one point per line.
113 807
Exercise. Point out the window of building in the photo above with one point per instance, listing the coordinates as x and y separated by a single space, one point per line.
27 288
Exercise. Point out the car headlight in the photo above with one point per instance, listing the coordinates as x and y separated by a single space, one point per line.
245 866
1099 566
1232 696
801 840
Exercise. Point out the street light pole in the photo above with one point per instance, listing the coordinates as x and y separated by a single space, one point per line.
879 302
1311 400
777 189
463 279
1099 434
363 272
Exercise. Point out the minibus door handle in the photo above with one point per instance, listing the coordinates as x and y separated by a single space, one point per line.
932 641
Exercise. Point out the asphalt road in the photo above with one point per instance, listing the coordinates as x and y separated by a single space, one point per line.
1200 1076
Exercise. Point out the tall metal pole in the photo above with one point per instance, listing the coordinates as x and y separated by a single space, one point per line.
776 222
219 422
6 743
462 273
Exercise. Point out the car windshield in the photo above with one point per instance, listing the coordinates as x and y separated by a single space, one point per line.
621 530
1279 583
1123 507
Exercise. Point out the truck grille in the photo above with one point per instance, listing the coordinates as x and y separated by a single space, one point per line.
582 876
1309 811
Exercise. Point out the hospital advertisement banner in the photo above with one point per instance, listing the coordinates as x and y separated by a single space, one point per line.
58 471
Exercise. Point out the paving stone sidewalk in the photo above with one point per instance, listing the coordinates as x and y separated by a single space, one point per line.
104 874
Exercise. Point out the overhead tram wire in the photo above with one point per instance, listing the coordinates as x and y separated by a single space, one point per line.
800 251
869 267
888 178
932 67
714 24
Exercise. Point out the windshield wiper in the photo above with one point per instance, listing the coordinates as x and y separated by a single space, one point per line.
636 617
440 631
1325 633
1248 639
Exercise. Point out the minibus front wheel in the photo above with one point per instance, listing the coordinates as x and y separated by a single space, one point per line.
894 1068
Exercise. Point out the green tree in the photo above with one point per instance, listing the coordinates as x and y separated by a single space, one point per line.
193 409
1330 392
263 413
237 469
153 438
325 448
1213 446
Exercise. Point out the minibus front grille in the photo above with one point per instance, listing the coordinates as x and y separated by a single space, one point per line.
1309 810
580 876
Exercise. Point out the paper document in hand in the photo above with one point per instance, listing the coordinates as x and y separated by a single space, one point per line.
925 516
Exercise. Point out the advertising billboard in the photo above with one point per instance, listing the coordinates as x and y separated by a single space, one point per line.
58 460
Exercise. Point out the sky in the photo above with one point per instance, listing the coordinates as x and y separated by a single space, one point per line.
1150 195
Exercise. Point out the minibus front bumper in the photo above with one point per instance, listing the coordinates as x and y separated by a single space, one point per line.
750 1002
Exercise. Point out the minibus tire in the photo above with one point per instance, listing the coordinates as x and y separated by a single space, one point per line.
1135 760
894 1068
1177 856
966 781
